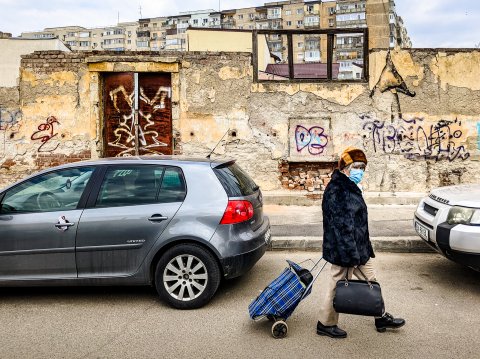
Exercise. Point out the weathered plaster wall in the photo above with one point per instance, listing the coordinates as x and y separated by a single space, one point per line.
417 118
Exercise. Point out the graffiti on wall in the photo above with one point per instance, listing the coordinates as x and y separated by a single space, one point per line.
416 139
9 118
126 130
313 138
45 132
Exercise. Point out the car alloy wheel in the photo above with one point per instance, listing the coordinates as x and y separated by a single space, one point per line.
185 277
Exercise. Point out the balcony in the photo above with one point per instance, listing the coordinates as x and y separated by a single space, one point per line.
357 45
350 11
143 33
228 22
312 12
311 25
352 23
274 16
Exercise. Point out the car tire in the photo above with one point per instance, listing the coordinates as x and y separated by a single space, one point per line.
187 276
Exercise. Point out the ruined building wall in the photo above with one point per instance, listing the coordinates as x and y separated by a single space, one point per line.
417 118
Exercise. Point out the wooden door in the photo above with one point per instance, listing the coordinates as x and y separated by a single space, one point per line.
154 130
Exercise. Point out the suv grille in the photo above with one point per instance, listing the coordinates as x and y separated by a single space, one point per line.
429 209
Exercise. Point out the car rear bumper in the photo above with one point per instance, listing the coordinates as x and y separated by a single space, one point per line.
241 249
238 265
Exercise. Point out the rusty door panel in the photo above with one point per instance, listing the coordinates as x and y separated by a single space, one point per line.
155 119
154 115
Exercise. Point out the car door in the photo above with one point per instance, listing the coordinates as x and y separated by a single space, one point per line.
38 223
133 206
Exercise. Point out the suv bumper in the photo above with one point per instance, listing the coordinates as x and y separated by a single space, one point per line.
444 234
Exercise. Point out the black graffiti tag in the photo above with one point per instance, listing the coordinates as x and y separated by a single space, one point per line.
415 140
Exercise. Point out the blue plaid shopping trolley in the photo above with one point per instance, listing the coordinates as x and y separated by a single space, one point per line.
280 298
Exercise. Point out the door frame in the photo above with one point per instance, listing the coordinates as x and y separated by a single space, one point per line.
97 65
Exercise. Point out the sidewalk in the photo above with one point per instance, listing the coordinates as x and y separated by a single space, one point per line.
297 222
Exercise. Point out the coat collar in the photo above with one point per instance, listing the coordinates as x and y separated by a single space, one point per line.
342 180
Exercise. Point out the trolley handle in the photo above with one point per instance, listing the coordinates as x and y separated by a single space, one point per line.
309 287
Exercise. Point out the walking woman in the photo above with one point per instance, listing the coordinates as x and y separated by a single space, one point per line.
346 241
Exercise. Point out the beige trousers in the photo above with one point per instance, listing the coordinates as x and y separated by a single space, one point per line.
328 315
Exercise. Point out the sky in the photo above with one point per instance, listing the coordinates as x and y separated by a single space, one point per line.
430 23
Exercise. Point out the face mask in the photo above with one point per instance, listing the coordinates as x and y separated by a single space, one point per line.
356 175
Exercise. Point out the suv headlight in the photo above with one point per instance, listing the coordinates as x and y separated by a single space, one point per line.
463 215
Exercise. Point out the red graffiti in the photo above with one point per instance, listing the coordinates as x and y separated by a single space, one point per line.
45 133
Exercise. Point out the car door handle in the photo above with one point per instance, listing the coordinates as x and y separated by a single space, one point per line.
60 225
157 218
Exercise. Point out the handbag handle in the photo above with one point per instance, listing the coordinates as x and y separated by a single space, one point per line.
364 276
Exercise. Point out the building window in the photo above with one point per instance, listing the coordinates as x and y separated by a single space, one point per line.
195 21
84 43
300 56
288 12
240 27
129 41
299 11
299 22
300 45
289 23
240 16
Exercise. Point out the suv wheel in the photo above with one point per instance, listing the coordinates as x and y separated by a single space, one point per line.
187 276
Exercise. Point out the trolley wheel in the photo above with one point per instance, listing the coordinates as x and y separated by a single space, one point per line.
279 329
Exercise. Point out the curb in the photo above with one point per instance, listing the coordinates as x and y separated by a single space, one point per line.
380 244
301 198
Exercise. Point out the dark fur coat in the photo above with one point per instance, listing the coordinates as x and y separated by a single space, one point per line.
346 241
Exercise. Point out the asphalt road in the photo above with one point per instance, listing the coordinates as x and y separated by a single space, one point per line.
439 299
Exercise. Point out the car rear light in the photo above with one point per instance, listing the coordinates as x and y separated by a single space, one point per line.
237 212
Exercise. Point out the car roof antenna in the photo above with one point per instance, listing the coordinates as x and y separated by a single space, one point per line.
208 156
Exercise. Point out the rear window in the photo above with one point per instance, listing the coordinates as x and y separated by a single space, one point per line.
235 181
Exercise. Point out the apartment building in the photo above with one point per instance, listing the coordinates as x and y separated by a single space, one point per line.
349 47
168 33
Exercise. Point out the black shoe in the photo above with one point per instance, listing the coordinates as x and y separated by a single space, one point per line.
331 331
388 321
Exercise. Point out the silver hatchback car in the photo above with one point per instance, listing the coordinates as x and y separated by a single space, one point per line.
178 224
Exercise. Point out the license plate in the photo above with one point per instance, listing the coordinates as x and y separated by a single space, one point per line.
422 231
268 236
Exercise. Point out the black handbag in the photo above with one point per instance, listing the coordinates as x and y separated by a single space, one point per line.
359 297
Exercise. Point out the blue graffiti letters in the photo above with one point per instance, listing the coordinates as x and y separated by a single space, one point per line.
313 138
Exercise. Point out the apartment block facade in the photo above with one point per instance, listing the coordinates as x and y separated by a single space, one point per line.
169 33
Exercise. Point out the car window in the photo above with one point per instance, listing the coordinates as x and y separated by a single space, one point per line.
136 185
235 181
173 186
53 191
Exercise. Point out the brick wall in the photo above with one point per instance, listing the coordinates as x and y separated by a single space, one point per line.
312 177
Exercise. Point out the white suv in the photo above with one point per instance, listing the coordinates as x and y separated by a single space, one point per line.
449 220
